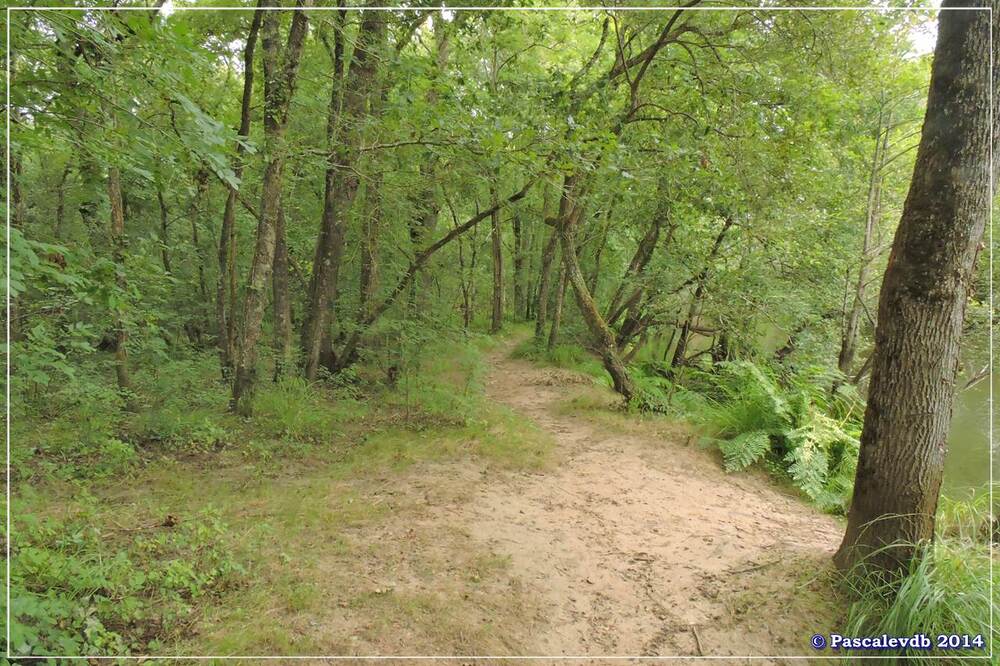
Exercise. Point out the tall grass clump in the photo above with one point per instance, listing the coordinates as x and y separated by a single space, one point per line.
945 591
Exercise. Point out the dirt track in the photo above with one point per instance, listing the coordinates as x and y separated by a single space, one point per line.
632 542
638 545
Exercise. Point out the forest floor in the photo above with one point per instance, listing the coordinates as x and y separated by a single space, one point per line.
550 523
630 540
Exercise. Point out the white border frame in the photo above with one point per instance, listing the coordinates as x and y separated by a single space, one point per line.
817 656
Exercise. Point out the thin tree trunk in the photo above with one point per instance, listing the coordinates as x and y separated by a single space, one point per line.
279 84
519 240
369 248
118 250
225 319
922 306
544 285
557 309
164 233
18 219
496 245
349 351
201 186
61 204
424 226
852 326
595 274
283 350
680 353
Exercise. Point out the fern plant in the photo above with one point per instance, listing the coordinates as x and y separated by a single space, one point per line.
753 417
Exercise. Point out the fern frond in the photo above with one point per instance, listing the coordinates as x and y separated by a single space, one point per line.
744 450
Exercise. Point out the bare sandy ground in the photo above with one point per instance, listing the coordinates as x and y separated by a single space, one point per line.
640 546
634 542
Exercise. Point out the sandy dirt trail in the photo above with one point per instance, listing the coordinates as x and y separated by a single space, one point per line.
639 546
631 542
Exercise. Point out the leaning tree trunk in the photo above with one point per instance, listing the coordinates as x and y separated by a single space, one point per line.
922 306
279 84
569 215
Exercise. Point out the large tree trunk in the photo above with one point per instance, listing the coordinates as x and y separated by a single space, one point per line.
348 97
922 306
224 308
279 83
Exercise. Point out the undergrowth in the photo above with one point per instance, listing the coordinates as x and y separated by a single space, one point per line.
77 589
84 584
794 425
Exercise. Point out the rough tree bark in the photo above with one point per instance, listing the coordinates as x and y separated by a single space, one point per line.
280 72
922 306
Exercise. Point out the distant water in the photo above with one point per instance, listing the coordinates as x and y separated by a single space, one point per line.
967 465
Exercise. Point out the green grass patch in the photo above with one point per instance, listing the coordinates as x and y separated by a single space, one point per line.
945 591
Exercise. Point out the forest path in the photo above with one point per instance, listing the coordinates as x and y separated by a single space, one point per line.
635 544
